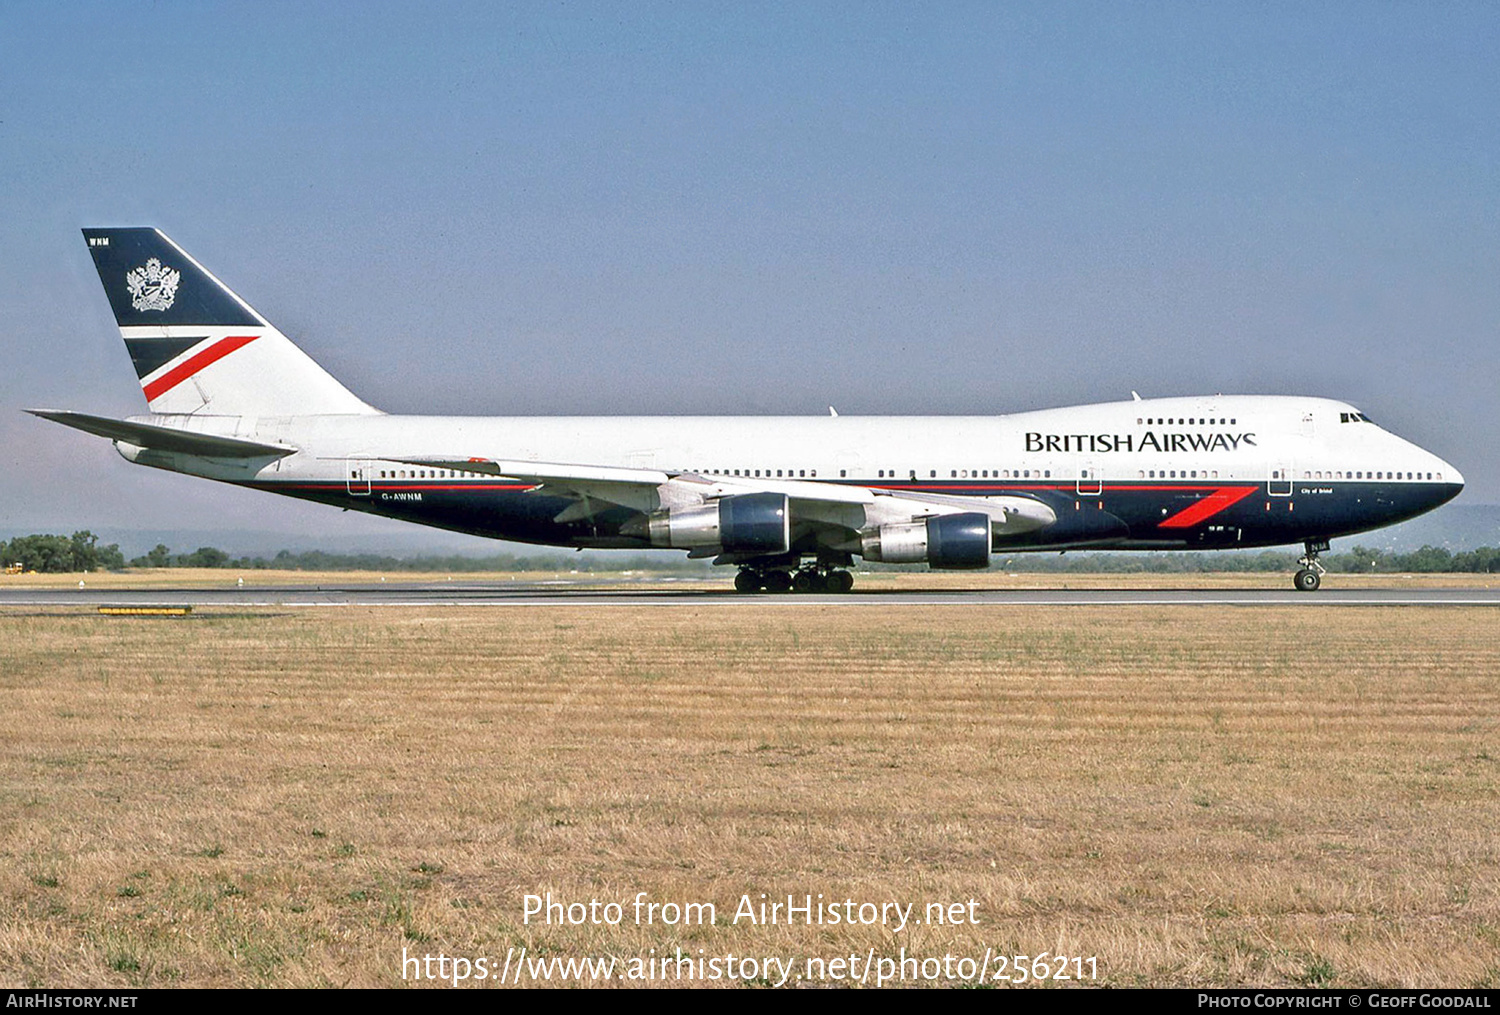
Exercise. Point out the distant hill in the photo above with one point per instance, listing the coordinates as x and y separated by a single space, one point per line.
405 541
1455 527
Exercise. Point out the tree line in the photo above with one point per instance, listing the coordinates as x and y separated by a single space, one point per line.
55 554
50 554
61 554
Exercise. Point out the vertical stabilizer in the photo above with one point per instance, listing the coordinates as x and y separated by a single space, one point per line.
198 347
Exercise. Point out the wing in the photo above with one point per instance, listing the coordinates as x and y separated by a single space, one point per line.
688 510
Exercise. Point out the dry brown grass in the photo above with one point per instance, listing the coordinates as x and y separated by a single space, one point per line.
1193 795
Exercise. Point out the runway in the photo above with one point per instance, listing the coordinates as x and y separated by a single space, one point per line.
702 593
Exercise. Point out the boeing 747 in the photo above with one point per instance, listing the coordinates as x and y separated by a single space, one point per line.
789 501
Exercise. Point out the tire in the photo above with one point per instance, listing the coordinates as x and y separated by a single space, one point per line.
778 581
840 582
1307 580
747 581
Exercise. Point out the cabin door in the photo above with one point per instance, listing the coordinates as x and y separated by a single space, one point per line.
357 477
1279 483
1089 482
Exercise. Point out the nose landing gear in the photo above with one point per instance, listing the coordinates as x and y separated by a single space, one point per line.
1311 576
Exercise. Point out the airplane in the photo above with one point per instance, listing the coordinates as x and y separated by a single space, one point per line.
789 501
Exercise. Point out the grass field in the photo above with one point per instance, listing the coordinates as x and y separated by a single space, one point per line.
1193 796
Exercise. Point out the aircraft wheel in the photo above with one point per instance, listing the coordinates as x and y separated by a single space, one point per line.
1307 580
840 581
810 580
747 581
778 581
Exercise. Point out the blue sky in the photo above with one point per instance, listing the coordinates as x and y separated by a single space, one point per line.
759 208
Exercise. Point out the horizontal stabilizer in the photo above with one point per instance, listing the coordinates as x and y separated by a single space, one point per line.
163 438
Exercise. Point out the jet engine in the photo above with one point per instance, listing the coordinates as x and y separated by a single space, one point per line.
758 523
947 542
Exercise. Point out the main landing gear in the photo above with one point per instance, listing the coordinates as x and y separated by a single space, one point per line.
1311 576
807 579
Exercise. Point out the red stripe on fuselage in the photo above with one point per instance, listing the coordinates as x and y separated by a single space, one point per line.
1223 497
190 366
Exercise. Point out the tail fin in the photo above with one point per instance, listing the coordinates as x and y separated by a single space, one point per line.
196 346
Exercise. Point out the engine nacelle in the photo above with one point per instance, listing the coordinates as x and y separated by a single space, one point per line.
947 542
759 523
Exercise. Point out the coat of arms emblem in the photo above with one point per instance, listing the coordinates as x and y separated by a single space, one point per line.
153 286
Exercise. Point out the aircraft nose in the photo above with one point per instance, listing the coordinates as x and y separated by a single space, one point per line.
1447 474
1452 482
1453 475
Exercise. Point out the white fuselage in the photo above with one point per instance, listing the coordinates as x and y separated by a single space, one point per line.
1240 438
